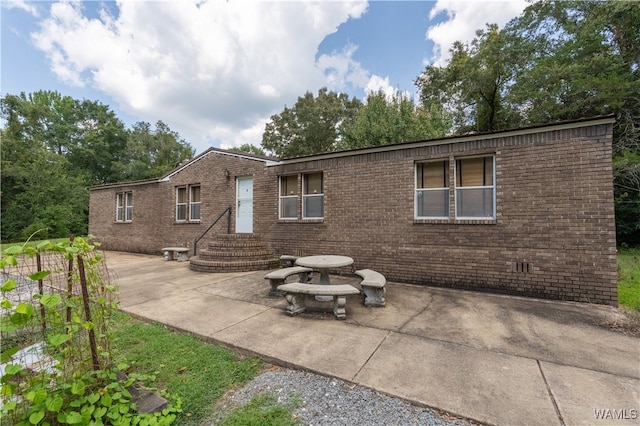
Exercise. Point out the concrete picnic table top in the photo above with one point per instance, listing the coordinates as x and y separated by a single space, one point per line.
324 261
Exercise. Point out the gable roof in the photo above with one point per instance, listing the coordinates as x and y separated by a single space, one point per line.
188 163
245 155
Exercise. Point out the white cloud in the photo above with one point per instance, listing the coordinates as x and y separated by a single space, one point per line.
341 70
214 71
20 4
464 18
379 84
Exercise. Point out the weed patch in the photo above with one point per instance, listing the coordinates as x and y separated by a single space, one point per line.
183 365
629 278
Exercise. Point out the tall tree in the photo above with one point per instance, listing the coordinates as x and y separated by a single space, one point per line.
152 152
40 187
54 147
471 87
559 60
580 59
382 120
249 148
311 126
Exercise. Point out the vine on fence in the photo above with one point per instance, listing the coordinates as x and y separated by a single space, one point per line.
56 309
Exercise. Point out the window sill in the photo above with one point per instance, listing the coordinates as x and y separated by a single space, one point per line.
455 222
285 221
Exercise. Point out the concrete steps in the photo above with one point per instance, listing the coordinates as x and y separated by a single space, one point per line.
234 253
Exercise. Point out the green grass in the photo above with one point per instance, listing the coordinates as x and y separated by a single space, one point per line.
199 373
261 411
629 278
32 243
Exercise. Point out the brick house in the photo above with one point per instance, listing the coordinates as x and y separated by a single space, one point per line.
527 211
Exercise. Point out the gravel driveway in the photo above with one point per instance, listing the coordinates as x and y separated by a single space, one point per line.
321 400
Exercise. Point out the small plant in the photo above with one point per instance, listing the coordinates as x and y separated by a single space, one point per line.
197 372
263 410
629 278
58 295
94 398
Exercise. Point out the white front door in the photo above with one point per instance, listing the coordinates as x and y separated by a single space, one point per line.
244 205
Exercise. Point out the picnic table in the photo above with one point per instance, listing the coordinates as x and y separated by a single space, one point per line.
324 263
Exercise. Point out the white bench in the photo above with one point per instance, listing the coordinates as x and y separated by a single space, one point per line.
176 253
279 276
288 261
372 285
295 294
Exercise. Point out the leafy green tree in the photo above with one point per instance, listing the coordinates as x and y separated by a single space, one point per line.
249 148
472 86
152 152
40 187
582 59
86 132
39 193
100 142
382 121
559 60
311 126
54 147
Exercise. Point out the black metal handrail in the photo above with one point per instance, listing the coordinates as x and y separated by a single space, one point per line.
228 212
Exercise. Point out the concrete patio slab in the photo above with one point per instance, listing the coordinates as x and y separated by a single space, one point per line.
487 386
196 312
327 347
587 397
495 359
544 330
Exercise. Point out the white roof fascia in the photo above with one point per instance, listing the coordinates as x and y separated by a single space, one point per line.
168 177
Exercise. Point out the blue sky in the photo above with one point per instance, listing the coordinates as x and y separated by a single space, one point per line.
215 71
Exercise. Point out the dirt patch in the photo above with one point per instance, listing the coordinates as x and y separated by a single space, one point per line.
627 322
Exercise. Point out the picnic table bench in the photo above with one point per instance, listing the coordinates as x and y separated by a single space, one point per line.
372 285
176 253
295 294
278 277
288 260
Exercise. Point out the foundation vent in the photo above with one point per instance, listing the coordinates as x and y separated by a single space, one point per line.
522 267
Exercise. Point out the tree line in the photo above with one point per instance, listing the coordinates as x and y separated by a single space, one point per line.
55 147
559 60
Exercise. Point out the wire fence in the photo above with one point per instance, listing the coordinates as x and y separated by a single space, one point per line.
57 303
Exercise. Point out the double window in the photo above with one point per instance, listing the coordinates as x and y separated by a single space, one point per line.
312 196
473 188
188 203
124 206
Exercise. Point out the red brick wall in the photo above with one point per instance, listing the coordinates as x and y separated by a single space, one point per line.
553 235
154 225
554 218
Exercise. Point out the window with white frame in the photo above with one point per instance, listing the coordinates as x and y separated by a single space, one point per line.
312 196
475 188
194 203
124 206
188 203
288 197
432 190
181 204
